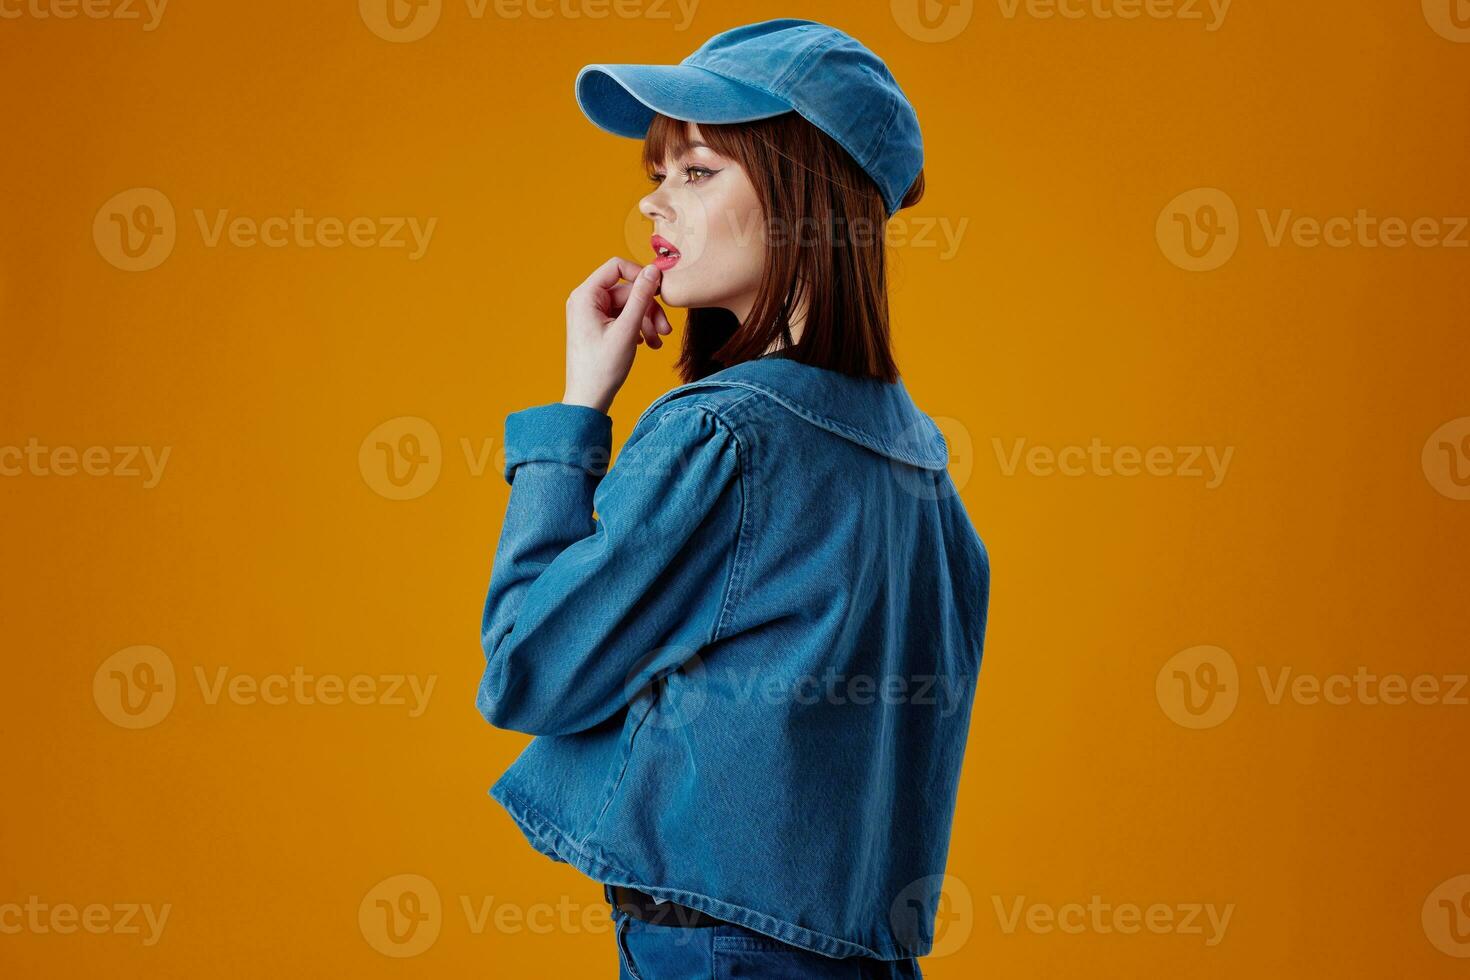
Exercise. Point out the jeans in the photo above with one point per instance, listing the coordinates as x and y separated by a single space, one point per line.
730 952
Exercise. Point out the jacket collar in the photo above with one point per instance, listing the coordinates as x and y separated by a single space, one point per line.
869 412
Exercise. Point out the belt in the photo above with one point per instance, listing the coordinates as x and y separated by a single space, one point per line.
640 905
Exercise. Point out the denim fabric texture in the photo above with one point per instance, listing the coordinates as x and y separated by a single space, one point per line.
760 70
652 951
748 651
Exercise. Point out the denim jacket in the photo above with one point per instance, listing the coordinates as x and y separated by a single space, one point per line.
748 650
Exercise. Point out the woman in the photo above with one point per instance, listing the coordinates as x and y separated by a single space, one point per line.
749 648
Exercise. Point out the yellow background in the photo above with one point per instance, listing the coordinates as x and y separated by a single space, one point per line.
1053 147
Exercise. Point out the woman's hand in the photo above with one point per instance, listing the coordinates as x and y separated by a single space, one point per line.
606 320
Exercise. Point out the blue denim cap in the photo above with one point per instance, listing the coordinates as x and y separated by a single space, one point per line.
762 70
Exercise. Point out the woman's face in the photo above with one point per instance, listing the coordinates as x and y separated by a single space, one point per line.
704 206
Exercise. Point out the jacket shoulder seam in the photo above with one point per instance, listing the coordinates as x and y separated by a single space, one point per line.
837 426
740 557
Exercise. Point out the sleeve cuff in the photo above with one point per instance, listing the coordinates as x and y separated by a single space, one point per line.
574 435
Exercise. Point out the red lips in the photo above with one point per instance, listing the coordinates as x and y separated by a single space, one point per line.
666 256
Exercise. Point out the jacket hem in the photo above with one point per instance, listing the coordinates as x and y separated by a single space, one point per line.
549 839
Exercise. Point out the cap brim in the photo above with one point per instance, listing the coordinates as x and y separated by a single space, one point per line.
622 99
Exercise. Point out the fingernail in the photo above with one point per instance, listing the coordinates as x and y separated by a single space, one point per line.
649 271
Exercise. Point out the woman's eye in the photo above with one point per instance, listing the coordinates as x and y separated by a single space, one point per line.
691 175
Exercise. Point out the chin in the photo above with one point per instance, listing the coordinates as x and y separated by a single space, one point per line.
680 294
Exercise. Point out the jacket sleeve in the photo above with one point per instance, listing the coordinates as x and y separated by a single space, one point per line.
585 610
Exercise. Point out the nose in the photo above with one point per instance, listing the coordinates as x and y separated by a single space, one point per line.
656 206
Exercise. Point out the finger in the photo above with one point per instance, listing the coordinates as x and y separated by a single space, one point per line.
639 298
619 296
655 325
649 326
655 321
660 318
649 333
596 289
607 275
